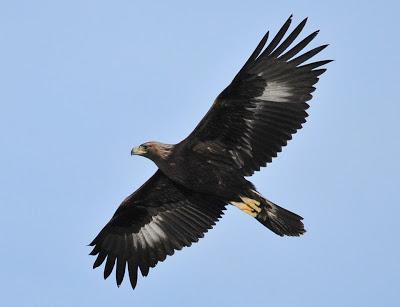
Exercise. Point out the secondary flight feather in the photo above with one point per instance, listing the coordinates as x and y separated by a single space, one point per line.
247 125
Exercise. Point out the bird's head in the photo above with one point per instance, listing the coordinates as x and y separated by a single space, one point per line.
152 150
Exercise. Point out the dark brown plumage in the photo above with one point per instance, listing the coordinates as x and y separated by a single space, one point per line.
248 124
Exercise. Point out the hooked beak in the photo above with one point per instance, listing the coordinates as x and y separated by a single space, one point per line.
138 151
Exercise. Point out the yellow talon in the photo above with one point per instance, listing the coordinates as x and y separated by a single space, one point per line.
250 212
249 206
252 203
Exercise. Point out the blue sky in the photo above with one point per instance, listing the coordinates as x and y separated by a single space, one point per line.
84 81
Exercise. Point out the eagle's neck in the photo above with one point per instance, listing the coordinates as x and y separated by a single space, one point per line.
165 151
162 153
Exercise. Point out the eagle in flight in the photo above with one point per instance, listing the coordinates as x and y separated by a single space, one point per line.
247 125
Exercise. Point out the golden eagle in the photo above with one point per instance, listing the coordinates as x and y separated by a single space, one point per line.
248 124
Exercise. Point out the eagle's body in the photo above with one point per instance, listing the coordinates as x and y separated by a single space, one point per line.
194 169
246 127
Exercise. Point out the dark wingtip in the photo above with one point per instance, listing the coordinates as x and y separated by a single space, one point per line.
287 23
110 262
99 260
324 46
93 253
106 274
303 22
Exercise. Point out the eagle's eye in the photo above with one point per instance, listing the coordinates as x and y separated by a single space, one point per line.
146 147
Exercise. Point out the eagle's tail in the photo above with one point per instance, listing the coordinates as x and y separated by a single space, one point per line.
277 219
280 221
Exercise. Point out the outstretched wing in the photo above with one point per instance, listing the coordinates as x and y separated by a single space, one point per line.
256 115
150 224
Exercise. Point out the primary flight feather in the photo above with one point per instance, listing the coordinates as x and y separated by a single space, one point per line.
248 124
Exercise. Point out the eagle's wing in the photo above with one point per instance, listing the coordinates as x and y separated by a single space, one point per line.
255 116
150 224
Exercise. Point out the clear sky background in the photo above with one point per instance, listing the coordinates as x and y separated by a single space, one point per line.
81 82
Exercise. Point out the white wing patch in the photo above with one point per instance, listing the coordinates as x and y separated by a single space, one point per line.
152 232
276 91
157 233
